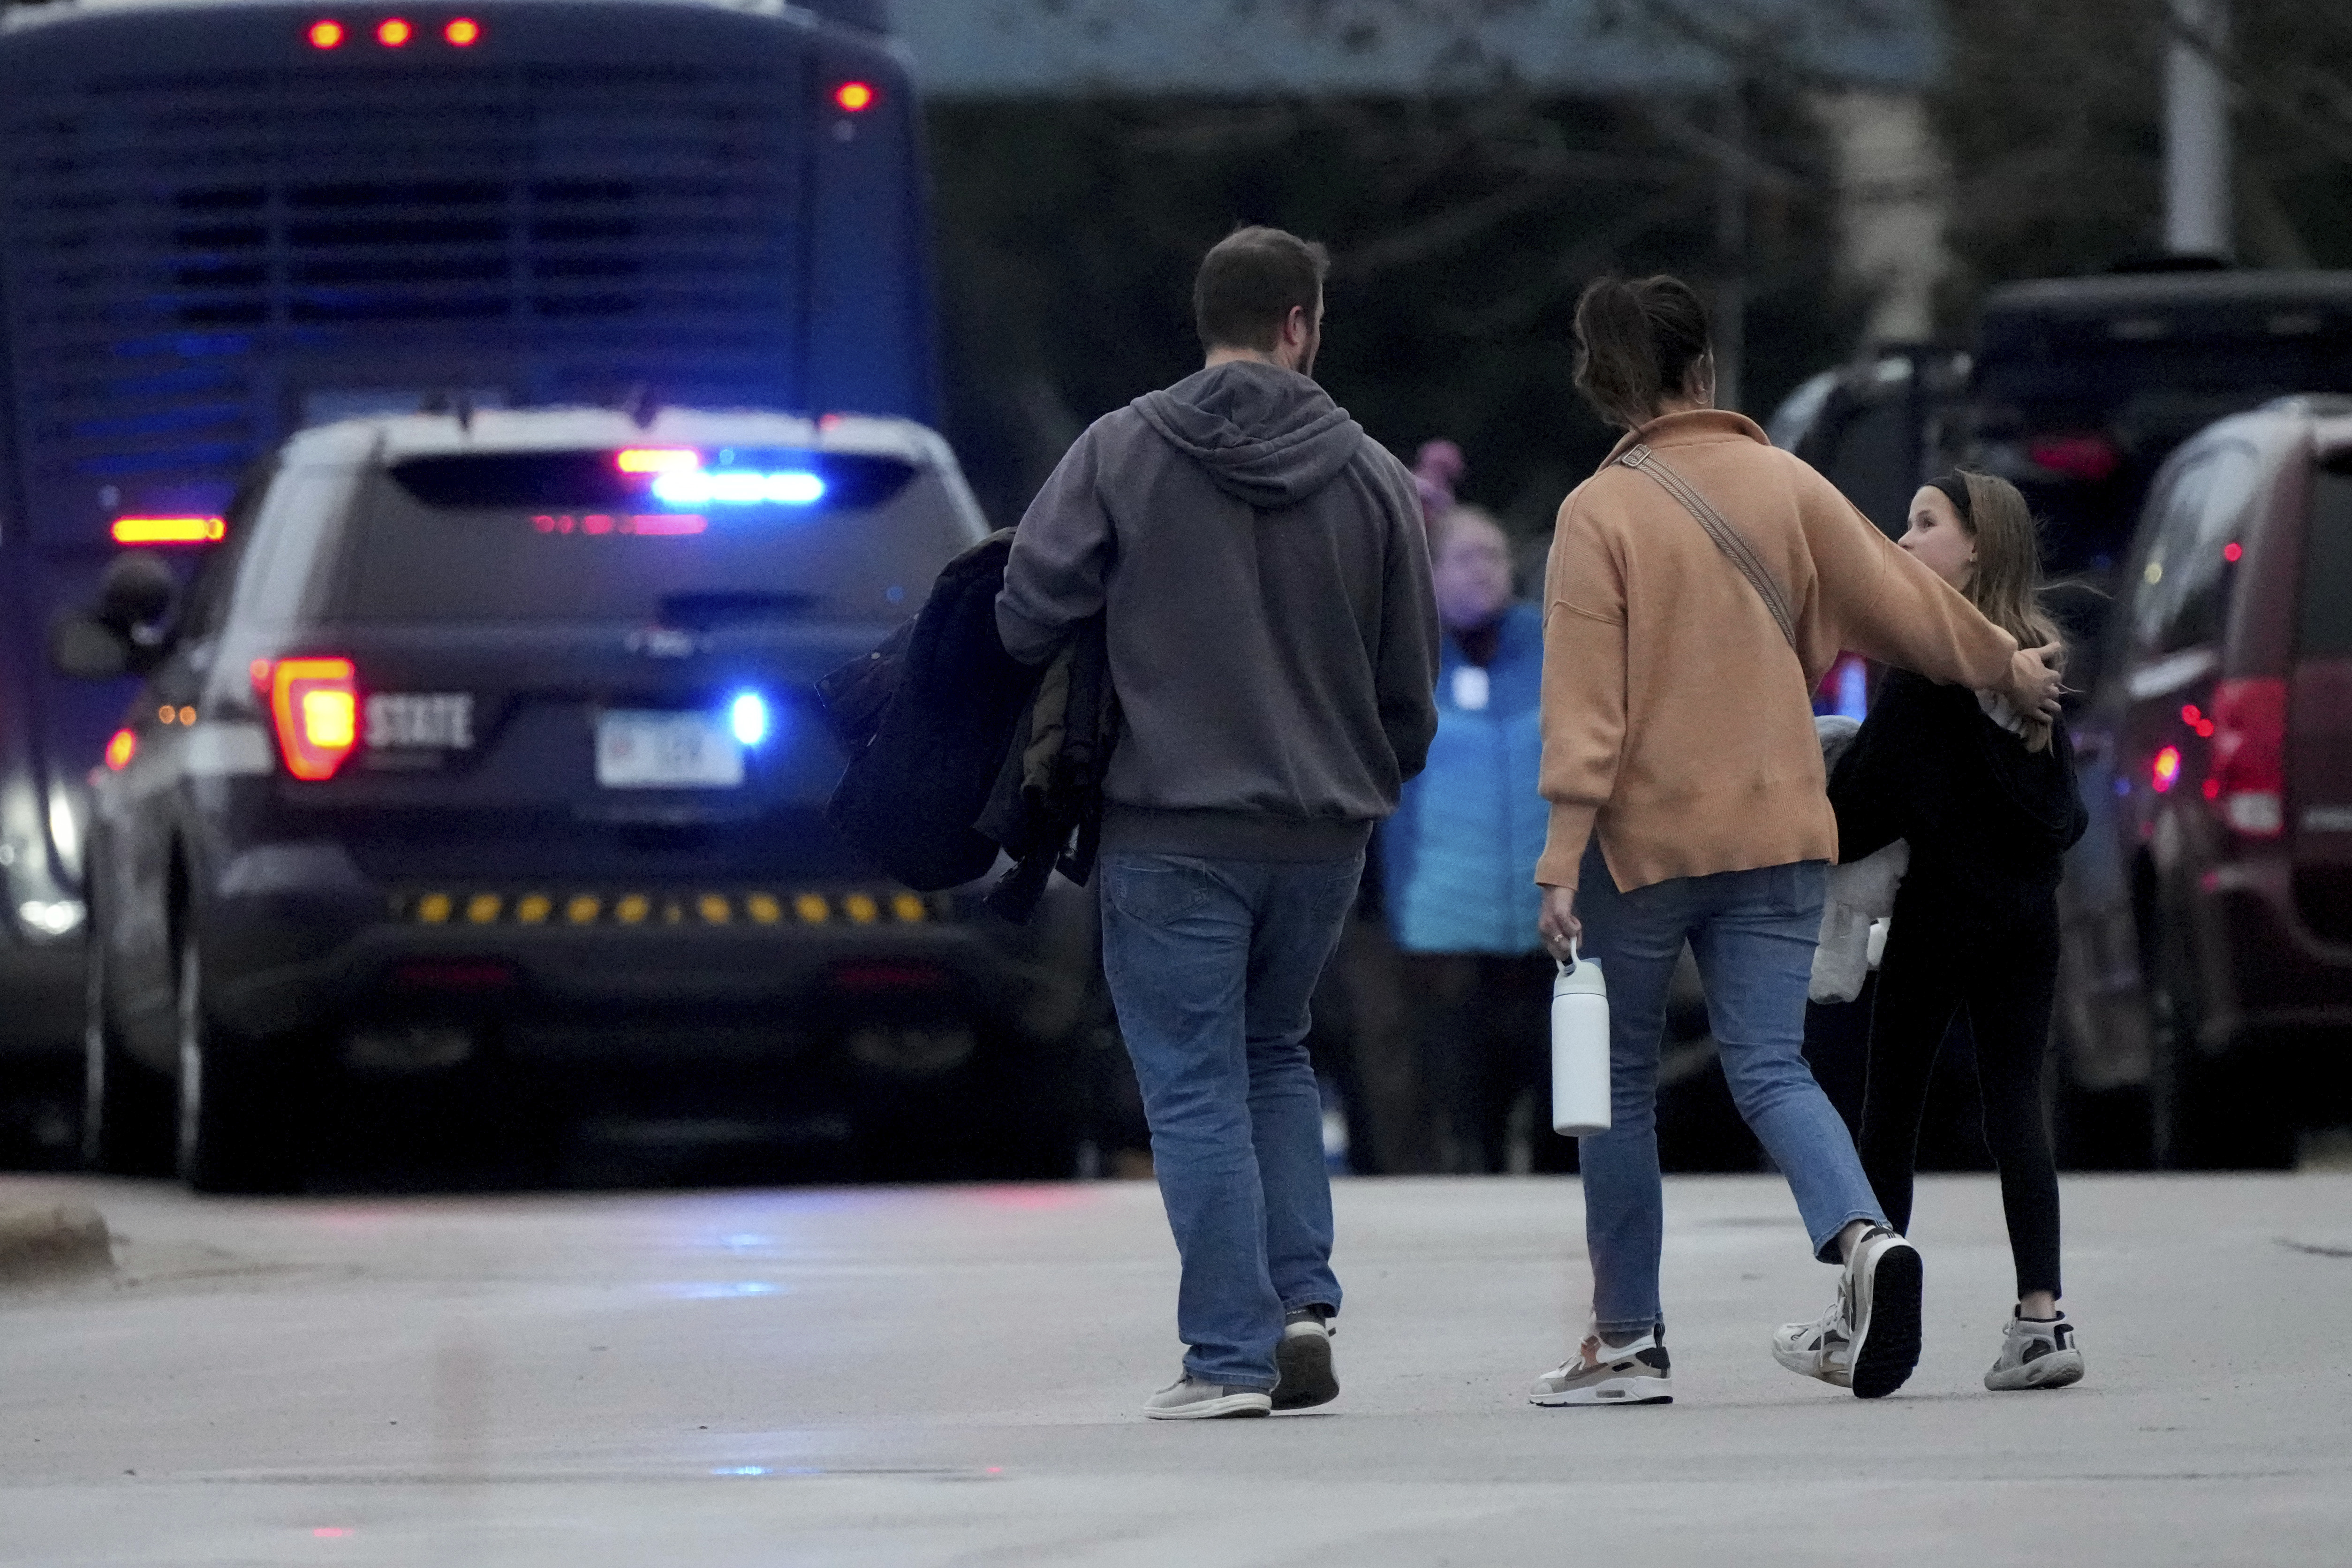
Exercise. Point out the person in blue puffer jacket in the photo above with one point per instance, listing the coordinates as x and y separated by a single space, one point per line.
1460 862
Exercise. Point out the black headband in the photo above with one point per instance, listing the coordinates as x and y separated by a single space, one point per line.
1956 488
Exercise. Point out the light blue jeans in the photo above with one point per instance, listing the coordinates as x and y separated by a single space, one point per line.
1211 964
1753 935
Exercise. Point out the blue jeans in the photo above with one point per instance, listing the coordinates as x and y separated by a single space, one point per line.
1211 966
1753 935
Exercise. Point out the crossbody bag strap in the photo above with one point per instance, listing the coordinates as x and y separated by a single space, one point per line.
1726 538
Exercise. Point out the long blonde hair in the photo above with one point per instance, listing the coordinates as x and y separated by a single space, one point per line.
2005 585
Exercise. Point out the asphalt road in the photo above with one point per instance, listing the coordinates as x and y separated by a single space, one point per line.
952 1376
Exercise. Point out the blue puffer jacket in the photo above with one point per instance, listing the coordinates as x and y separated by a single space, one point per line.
1462 848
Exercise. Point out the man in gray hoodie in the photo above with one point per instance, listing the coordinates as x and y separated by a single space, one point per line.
1261 567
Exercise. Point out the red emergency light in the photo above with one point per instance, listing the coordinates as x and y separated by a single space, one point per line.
856 97
655 459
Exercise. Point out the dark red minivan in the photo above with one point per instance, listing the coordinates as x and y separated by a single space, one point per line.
2208 910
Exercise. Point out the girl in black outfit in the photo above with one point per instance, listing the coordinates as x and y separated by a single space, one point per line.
1986 797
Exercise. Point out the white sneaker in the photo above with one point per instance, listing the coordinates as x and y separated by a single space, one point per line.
1603 1374
1869 1338
2036 1354
1883 1282
1190 1399
1822 1348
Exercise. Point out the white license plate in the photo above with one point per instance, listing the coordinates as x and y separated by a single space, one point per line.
637 750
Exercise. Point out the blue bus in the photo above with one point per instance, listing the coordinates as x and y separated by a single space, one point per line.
224 220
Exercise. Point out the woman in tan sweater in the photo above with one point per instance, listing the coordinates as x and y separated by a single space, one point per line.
1701 583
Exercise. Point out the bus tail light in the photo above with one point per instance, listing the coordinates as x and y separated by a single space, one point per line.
314 705
856 97
121 749
393 33
168 529
326 35
464 32
2249 781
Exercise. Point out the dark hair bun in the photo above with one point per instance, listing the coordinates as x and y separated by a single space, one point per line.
1637 343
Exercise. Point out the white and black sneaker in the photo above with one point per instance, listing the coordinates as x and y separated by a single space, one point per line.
1190 1399
1603 1374
1304 1376
1822 1348
1869 1338
2036 1353
1884 1280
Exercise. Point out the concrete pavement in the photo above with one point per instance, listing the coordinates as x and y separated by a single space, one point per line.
951 1375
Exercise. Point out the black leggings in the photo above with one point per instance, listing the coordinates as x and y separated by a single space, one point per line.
2005 977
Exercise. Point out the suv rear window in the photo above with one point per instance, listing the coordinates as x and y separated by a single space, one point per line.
2108 394
2325 629
730 534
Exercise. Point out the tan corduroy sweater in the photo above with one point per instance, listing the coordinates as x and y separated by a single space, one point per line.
1674 713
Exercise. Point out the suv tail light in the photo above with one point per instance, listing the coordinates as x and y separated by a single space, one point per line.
2089 457
2247 784
314 704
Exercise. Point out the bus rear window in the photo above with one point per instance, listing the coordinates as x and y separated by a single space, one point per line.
2326 623
679 539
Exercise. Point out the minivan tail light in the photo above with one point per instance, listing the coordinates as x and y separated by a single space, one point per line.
314 703
2247 784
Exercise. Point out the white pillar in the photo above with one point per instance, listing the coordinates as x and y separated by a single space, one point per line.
2197 133
1893 198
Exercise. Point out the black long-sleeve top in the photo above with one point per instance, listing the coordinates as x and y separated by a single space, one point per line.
1988 821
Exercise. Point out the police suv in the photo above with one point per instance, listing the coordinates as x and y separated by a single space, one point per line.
488 743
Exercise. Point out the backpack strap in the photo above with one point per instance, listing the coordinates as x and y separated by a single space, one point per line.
1728 539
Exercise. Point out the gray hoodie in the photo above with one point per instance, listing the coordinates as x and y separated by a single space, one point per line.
1264 578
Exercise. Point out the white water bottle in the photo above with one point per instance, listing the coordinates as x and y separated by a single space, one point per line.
1580 1048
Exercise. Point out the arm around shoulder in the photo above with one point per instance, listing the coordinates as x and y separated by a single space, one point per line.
1885 605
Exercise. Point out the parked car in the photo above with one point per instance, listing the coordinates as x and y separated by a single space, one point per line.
487 744
2207 911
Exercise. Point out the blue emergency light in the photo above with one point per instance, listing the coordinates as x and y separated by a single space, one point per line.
738 486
